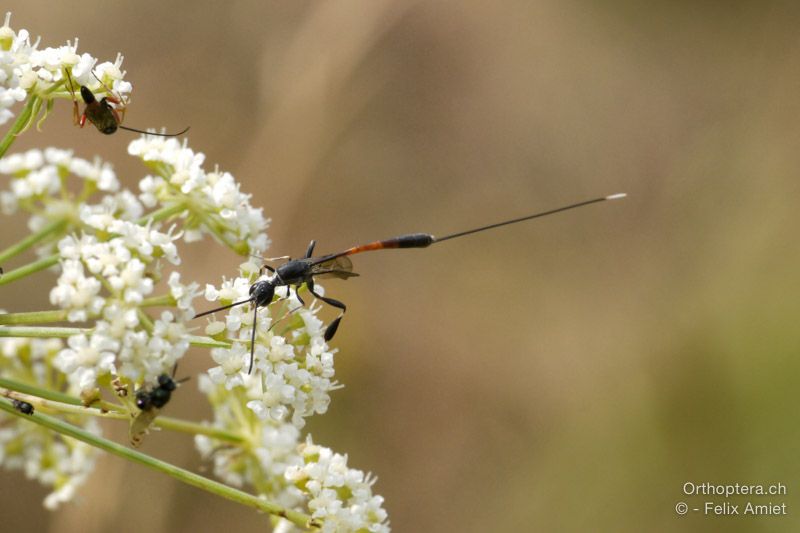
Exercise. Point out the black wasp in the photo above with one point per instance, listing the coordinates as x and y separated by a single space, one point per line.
101 113
296 272
150 401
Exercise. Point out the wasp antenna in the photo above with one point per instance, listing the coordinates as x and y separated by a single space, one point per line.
97 78
617 196
154 133
204 313
253 340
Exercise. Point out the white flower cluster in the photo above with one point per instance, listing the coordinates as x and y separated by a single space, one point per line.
123 266
38 186
107 271
111 245
63 464
28 357
25 69
293 372
294 474
180 178
292 380
340 496
60 463
272 446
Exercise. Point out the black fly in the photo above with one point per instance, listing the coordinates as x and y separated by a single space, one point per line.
23 407
150 402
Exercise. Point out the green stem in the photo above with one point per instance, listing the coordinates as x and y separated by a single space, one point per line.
190 478
60 315
34 317
145 320
208 342
184 426
158 301
43 332
27 270
56 226
22 120
66 403
162 214
240 248
38 317
63 407
33 390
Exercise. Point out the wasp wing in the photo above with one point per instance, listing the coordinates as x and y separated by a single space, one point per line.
140 425
338 267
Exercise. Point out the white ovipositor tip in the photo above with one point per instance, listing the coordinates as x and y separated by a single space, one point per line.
616 196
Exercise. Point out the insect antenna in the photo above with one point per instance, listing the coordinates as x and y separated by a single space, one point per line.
71 88
253 340
154 133
182 380
252 335
204 313
124 103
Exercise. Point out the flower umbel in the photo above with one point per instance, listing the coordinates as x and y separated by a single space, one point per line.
340 496
293 364
121 316
295 473
41 75
213 201
63 464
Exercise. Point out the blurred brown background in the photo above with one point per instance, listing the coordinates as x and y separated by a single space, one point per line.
567 374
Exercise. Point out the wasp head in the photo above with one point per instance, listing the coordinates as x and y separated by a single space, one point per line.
166 382
262 292
87 95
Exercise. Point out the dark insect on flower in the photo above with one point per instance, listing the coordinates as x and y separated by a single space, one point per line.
101 113
23 407
150 402
296 272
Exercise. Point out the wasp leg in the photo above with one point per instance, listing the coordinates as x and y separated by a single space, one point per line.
330 331
76 117
111 97
310 249
114 98
284 317
116 115
297 293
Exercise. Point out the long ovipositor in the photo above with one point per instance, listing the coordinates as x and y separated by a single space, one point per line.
296 272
